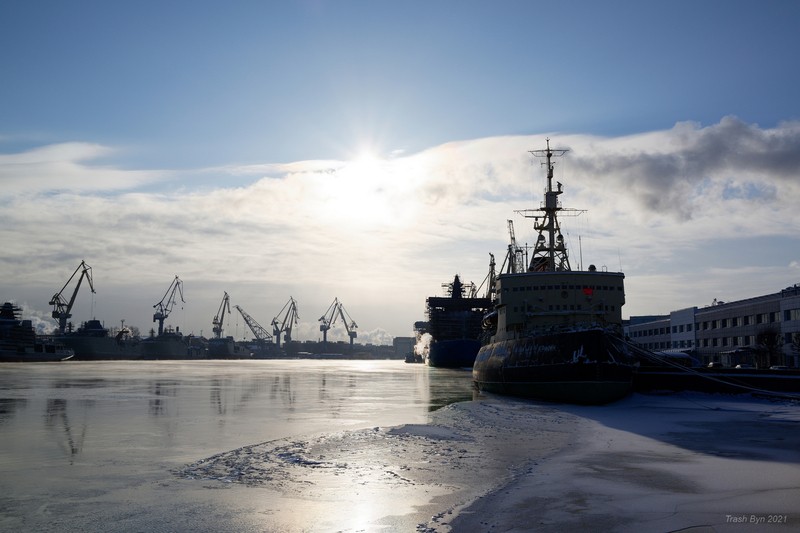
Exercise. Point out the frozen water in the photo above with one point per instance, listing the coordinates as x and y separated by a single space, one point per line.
376 446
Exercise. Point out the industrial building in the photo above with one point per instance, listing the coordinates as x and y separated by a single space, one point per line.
763 331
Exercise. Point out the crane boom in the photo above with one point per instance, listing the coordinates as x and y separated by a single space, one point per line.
164 307
219 318
490 280
515 259
62 308
290 318
260 333
336 310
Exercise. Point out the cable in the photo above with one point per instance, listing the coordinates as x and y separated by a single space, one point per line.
731 383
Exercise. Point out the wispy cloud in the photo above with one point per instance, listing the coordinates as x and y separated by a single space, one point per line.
67 167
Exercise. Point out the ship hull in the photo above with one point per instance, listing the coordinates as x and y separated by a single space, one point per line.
582 367
456 353
39 353
167 347
100 348
226 348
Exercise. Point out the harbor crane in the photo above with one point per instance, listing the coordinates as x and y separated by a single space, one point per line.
336 310
290 318
515 259
261 334
219 318
489 281
62 309
164 307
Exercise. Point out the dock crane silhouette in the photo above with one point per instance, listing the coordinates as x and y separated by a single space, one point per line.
336 310
261 334
164 307
284 325
219 318
62 309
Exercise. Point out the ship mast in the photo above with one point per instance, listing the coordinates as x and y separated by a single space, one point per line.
550 252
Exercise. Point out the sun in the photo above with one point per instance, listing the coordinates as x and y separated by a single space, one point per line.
361 190
366 163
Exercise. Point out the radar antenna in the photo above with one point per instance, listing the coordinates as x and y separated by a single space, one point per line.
549 252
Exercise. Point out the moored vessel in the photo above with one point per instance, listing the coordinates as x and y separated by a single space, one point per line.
454 324
169 342
220 346
19 342
92 341
554 333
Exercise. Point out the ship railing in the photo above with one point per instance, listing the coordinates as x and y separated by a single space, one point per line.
575 326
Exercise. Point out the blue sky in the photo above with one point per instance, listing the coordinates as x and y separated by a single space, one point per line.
370 150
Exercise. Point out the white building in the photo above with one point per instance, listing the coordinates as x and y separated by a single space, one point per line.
744 331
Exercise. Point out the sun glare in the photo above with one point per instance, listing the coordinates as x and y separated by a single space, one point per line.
362 192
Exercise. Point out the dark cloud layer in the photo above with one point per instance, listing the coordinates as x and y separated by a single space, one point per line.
664 178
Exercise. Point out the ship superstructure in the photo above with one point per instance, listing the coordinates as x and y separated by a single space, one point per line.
554 333
454 323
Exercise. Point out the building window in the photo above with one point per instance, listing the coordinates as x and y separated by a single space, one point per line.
688 327
746 320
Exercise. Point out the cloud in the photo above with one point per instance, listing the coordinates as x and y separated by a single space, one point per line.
67 167
668 172
383 235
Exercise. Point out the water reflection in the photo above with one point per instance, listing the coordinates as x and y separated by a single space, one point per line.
446 386
162 392
9 407
153 409
58 422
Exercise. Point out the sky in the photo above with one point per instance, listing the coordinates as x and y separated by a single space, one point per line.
368 151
